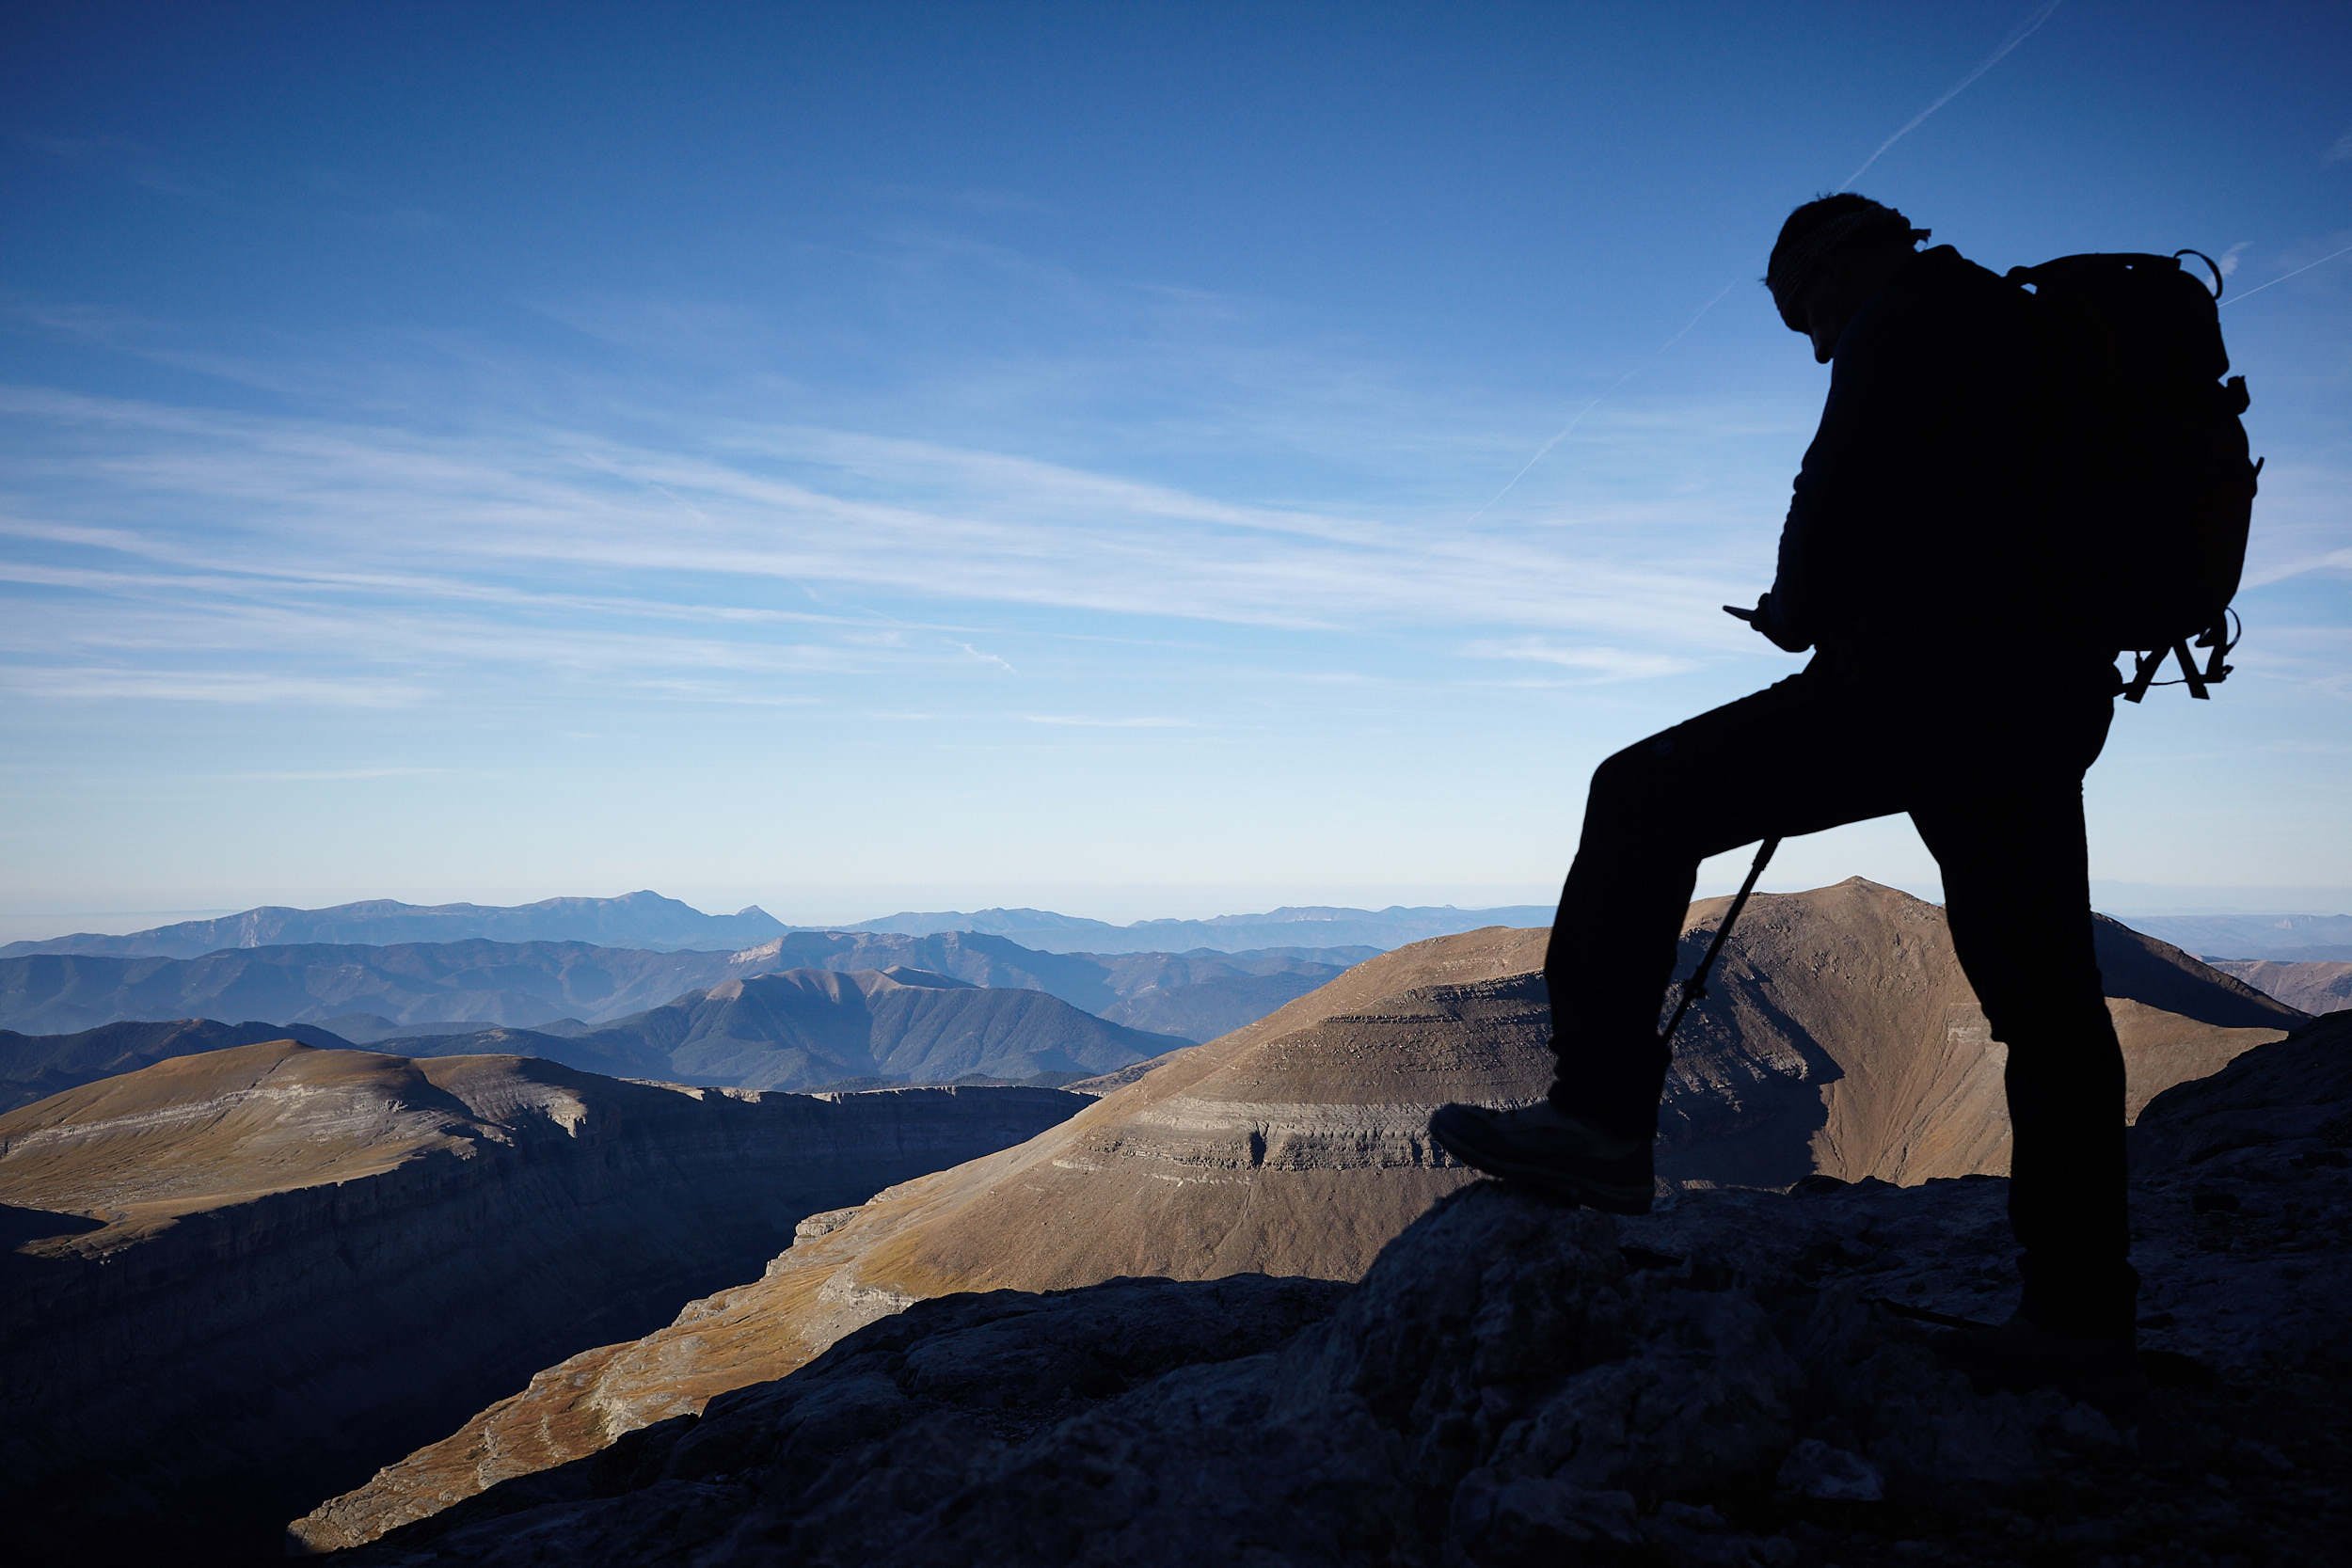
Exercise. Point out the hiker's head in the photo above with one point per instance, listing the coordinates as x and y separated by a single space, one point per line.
1832 256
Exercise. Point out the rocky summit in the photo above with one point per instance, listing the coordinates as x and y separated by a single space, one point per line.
1841 1040
1741 1379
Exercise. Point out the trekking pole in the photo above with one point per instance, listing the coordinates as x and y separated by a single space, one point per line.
1695 986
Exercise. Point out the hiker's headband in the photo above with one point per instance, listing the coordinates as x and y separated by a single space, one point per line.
1796 265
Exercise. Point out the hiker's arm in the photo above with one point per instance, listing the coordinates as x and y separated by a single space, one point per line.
1838 496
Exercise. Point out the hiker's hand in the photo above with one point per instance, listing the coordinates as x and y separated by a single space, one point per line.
1767 619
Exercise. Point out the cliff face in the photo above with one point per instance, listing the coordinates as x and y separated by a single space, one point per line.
1518 1384
1840 1041
248 1277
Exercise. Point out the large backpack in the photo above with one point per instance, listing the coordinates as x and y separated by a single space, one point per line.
2158 471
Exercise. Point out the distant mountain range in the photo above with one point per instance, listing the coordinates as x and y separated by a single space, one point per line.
829 1029
633 919
2291 938
367 993
1840 1039
649 921
802 1029
1300 926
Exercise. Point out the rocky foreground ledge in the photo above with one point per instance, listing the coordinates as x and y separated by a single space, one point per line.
1513 1383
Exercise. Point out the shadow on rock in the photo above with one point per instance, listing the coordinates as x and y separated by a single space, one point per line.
1515 1383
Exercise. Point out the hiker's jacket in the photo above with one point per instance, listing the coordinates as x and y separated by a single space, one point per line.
1922 529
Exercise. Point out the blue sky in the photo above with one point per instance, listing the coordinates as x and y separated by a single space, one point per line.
863 457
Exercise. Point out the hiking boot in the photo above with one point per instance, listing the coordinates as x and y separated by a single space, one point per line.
1543 1148
2023 1354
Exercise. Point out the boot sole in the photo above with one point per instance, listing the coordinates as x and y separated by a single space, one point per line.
1590 1192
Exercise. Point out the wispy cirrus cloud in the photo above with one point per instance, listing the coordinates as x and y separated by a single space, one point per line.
805 508
331 775
1602 662
102 684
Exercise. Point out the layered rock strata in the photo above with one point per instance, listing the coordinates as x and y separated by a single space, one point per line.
243 1279
1739 1379
1840 1039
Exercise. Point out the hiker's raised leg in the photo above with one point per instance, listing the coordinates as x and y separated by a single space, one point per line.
1793 758
2016 890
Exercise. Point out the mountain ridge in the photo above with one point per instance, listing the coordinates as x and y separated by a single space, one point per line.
649 920
642 919
810 1029
1333 925
1519 1384
2316 986
34 1067
528 984
1297 1146
239 1278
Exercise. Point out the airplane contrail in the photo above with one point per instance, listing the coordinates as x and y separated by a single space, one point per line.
2031 26
1569 429
2272 284
2024 30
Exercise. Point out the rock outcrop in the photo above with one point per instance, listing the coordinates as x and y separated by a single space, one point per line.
1840 1039
1515 1383
243 1279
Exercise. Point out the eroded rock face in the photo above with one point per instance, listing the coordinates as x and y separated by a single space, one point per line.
1515 1383
1841 1040
244 1278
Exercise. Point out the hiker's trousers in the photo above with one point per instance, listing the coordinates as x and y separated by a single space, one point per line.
1993 783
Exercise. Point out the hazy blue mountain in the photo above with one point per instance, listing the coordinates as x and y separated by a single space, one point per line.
820 1029
2287 937
419 983
369 994
34 1067
367 1028
1199 995
1292 926
645 920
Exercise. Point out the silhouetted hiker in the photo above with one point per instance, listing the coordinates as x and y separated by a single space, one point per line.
1917 561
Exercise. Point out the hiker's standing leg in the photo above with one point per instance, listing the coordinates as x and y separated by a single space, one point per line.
1793 758
2017 888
